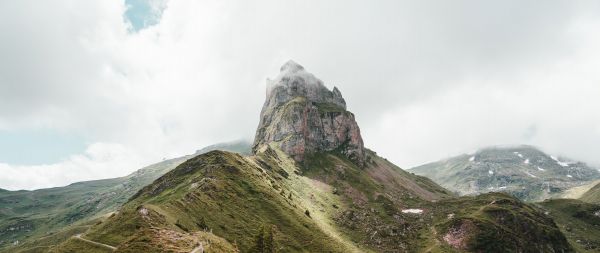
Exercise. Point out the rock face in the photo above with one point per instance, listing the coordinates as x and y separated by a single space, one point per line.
302 117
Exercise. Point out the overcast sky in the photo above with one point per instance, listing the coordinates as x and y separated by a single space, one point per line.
98 89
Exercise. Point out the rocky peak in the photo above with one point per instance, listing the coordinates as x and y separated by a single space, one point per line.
293 81
303 116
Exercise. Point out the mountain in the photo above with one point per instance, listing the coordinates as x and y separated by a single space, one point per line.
26 216
310 185
523 171
304 117
592 195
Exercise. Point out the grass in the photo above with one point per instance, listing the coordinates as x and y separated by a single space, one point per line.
41 214
329 107
579 221
592 195
268 202
224 193
74 245
495 222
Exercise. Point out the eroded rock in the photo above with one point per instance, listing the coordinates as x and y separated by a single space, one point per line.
302 117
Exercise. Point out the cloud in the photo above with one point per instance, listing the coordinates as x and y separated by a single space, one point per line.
438 78
100 160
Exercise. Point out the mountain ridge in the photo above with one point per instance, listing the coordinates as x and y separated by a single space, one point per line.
524 171
46 212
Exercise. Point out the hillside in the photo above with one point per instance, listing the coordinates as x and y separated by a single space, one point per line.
28 215
340 208
311 186
592 195
522 171
578 221
236 197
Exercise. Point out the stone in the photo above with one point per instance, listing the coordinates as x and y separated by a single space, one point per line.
302 117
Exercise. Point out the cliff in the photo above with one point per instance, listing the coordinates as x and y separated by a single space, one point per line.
303 117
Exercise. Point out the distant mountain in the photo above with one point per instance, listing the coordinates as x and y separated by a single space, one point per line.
27 215
242 147
523 171
310 185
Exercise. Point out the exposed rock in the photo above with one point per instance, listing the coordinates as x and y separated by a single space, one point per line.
523 171
302 116
459 234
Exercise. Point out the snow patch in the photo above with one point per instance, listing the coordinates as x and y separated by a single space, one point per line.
502 187
143 211
415 211
526 161
569 176
472 159
490 172
564 164
518 154
540 169
529 174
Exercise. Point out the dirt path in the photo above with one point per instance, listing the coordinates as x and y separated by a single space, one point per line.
78 236
437 242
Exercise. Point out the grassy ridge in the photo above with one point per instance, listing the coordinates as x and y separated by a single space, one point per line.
268 203
232 196
579 221
26 216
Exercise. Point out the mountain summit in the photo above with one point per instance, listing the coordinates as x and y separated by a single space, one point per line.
304 117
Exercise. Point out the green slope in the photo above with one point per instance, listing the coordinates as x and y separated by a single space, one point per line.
268 203
579 221
494 222
28 215
592 195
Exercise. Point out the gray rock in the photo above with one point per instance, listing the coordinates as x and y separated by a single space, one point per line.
302 116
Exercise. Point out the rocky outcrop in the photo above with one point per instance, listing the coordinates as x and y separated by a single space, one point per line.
302 116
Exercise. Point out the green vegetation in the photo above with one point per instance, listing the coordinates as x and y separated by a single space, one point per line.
578 221
224 202
329 107
74 245
592 195
46 243
29 215
32 217
495 222
220 192
265 240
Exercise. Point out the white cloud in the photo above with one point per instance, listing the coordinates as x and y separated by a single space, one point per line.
100 160
437 78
